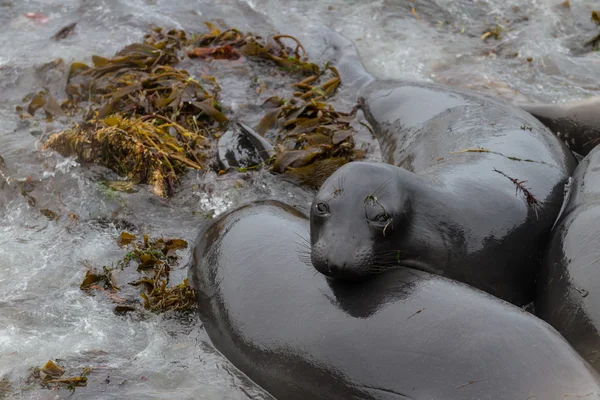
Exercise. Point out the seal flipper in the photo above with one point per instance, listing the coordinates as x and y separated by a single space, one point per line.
577 123
262 146
347 60
242 147
568 191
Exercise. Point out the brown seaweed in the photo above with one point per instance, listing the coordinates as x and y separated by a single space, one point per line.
150 121
154 259
50 376
314 139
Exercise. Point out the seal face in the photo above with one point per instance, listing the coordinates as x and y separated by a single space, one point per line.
569 280
355 227
406 334
471 192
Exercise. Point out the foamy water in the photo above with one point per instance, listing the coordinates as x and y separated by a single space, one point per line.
44 315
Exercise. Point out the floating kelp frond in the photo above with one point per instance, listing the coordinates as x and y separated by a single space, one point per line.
157 257
322 91
50 377
151 252
154 259
158 297
493 31
315 174
223 44
41 100
314 139
99 280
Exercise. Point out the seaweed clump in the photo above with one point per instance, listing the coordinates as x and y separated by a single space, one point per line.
154 259
51 376
230 43
313 139
5 387
595 41
146 119
149 120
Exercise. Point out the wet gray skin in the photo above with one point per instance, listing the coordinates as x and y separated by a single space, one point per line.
452 200
569 282
577 123
403 335
242 147
43 313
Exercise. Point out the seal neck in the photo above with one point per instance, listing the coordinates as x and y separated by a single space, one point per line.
355 76
430 225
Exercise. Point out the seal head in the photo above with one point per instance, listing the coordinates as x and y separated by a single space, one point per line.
356 219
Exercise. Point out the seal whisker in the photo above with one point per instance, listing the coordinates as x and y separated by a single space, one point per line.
303 245
377 269
381 187
341 180
302 237
305 259
392 256
303 252
390 251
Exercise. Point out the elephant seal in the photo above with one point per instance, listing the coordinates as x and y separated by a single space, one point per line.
472 190
403 335
577 123
569 283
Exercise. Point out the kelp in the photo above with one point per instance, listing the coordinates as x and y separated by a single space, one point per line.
99 280
595 41
158 297
231 42
65 32
149 120
51 215
146 119
153 150
153 259
5 387
314 139
51 376
41 100
494 31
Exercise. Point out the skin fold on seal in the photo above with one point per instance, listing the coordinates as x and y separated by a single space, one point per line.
569 282
406 335
577 123
471 191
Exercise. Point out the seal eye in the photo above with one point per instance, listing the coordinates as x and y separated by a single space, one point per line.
322 209
382 218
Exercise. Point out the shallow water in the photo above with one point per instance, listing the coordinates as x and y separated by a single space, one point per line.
44 315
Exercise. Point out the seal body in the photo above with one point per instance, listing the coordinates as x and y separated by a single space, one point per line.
569 282
474 188
403 335
577 123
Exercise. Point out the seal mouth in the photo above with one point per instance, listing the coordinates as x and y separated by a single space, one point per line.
343 272
347 277
420 266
